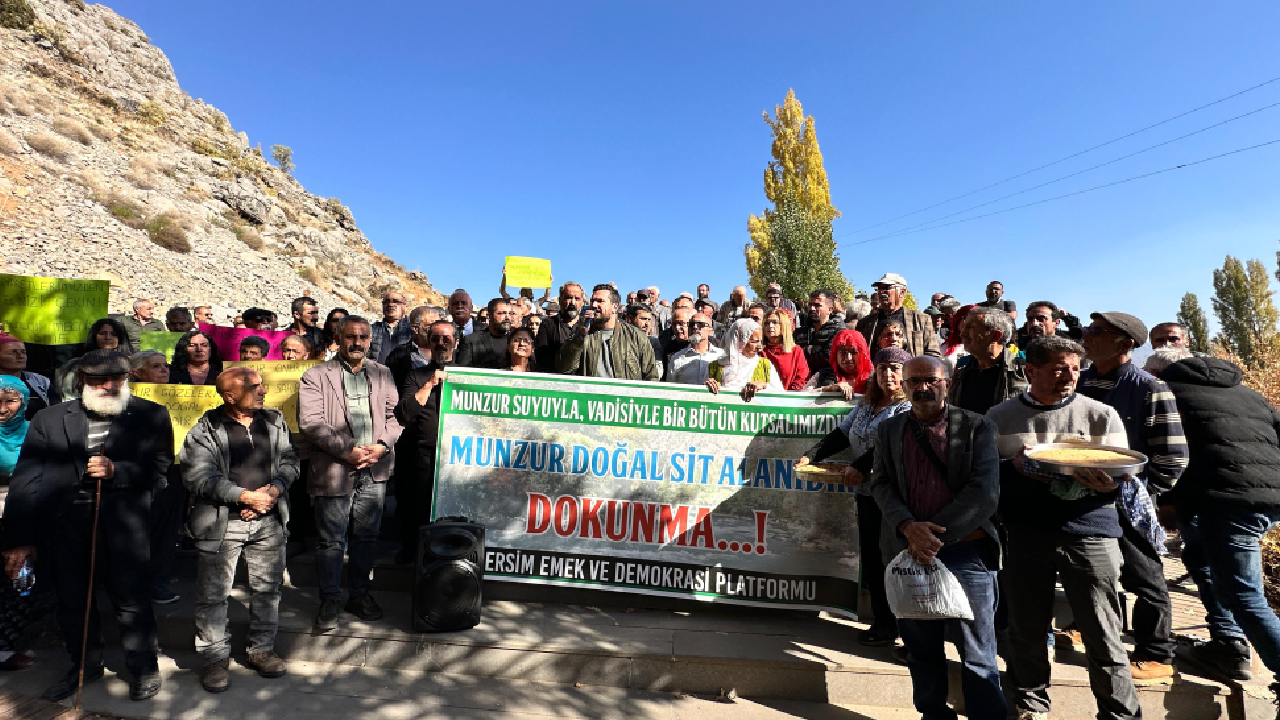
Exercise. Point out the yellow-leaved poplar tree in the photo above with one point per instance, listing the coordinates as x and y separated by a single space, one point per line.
792 243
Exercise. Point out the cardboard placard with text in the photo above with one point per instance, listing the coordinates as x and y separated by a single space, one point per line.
51 311
528 272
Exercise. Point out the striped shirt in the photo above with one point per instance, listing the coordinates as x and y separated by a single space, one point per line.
1151 419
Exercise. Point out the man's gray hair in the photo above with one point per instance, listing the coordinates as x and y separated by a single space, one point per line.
352 319
138 303
138 359
949 306
995 319
415 317
1162 358
570 284
1042 349
856 310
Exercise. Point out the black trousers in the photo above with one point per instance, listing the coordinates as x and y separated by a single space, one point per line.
1142 575
414 487
123 570
869 521
168 512
302 521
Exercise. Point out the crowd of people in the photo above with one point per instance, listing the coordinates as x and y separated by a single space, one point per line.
946 403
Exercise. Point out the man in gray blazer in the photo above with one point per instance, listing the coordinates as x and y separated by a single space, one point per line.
937 481
237 463
346 410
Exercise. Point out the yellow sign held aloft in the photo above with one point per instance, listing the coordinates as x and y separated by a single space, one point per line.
528 272
51 311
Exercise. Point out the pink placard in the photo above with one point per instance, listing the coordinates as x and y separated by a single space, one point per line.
228 340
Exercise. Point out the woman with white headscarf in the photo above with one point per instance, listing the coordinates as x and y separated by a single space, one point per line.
745 369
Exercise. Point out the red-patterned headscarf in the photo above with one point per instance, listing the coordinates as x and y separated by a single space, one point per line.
954 341
852 339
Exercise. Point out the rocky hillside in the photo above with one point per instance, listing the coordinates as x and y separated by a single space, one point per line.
109 170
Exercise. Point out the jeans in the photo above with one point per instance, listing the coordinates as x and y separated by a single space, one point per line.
1089 568
869 521
1221 553
261 541
1142 574
361 511
974 566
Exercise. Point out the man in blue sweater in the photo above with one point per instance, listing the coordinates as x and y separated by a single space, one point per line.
1153 428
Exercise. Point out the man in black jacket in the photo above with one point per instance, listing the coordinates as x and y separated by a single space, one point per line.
416 353
419 412
126 443
487 348
816 337
1224 502
556 330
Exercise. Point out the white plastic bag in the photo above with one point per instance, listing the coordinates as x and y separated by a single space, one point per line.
924 592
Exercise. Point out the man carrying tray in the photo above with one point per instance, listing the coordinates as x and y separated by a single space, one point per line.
1064 525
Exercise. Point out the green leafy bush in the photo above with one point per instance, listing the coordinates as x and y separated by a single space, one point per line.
16 14
152 113
166 231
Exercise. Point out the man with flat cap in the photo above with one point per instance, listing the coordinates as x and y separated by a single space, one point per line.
918 337
126 444
1151 420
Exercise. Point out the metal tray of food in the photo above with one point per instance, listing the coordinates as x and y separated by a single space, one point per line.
1070 458
822 470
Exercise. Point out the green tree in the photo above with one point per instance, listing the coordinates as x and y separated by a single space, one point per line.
800 254
1191 317
795 181
284 157
16 14
1242 302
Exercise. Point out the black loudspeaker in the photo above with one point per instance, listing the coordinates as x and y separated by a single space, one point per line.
447 592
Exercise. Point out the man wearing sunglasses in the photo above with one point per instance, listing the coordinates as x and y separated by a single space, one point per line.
392 330
690 365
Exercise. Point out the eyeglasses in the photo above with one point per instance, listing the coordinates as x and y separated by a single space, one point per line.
521 340
698 325
389 301
925 382
440 338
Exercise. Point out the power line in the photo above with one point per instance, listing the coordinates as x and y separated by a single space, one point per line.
1067 195
1088 169
1069 157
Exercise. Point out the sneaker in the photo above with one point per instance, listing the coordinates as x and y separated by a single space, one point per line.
268 664
1150 672
875 638
1032 715
66 687
364 607
1229 658
327 617
145 687
162 595
215 677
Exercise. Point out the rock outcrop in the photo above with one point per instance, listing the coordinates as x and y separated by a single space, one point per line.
109 170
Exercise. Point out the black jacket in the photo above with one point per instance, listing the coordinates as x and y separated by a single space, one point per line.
400 361
416 448
1233 437
482 350
553 333
54 457
817 343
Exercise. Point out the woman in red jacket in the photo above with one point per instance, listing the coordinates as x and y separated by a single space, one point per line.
786 356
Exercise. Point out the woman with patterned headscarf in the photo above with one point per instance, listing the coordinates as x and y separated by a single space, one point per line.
745 369
14 397
850 366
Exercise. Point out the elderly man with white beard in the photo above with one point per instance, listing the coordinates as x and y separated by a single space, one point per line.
125 444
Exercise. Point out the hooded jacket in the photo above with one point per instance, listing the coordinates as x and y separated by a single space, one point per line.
1233 435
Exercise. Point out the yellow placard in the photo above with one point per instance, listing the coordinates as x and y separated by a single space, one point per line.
165 342
528 272
51 311
281 379
186 405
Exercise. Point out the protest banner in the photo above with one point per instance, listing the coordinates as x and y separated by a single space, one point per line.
51 311
281 380
186 404
528 272
165 342
648 488
228 339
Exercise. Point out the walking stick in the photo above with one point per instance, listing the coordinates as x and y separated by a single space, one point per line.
88 600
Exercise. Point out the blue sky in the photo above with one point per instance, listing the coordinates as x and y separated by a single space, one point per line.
624 141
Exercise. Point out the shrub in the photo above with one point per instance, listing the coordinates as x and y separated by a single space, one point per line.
283 155
77 5
151 113
69 128
204 147
49 144
16 14
249 237
166 231
249 166
308 274
57 36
